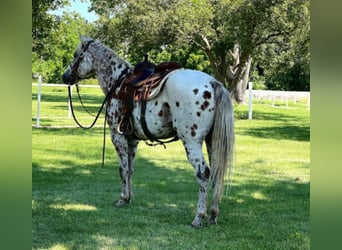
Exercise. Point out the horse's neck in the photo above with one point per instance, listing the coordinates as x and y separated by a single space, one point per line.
109 67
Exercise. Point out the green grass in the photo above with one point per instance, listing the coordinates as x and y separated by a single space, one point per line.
268 206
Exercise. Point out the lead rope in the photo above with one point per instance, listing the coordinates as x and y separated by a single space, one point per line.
104 140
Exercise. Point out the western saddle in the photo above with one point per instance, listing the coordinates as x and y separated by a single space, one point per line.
144 84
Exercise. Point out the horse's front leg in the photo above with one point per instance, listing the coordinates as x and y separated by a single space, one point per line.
125 150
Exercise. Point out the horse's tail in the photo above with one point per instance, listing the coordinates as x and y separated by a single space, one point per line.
223 140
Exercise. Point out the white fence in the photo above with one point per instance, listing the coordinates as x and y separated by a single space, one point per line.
274 96
253 96
280 96
39 94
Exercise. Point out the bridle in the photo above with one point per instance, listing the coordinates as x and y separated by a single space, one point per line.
74 68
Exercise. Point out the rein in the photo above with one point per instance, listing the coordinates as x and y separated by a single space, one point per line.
81 101
109 94
74 116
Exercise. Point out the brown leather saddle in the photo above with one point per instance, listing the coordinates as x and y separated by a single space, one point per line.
140 89
143 89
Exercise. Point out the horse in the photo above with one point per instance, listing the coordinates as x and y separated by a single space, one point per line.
192 106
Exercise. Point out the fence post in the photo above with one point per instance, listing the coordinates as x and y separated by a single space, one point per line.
250 100
38 100
69 105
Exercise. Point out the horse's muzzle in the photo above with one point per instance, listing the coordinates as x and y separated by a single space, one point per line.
68 79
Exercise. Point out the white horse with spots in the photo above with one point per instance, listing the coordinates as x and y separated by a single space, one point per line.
192 105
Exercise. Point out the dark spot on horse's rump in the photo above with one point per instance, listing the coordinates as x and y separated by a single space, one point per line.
205 105
177 104
197 102
193 133
206 95
195 91
119 66
160 113
198 114
156 103
195 126
166 105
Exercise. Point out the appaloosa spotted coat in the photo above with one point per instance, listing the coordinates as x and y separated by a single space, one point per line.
192 105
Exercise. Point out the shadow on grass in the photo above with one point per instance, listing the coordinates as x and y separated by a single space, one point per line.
78 199
73 206
287 126
86 98
287 132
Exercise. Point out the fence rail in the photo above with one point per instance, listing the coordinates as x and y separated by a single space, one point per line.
271 97
280 96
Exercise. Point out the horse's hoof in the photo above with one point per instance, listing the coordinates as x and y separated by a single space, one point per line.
212 220
122 203
196 224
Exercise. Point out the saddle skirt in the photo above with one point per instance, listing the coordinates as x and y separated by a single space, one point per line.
150 87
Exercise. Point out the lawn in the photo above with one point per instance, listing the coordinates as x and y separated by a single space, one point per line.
268 206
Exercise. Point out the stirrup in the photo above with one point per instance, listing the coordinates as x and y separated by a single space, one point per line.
125 126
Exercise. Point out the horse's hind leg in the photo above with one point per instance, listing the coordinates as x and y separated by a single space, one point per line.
214 209
196 158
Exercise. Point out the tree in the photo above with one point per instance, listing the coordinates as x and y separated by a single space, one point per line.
229 32
43 22
54 38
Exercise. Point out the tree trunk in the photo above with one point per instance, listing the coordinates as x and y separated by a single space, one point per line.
240 82
234 76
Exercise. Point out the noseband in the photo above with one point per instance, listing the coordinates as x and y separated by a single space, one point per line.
74 68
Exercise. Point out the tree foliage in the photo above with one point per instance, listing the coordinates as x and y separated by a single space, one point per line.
54 38
235 40
229 32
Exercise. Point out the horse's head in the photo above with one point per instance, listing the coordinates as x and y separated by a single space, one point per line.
82 65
